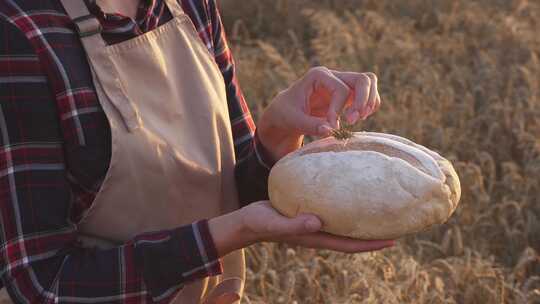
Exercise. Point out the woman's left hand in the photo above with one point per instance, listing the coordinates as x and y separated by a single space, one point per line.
312 106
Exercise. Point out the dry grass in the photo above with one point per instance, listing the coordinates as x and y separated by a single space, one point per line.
462 77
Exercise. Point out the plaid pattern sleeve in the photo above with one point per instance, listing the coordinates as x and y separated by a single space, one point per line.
51 126
253 162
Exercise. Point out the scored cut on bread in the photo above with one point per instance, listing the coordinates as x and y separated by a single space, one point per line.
371 186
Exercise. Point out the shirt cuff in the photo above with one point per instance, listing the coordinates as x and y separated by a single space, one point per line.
263 155
184 254
207 247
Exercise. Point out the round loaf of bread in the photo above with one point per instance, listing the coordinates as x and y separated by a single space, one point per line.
371 186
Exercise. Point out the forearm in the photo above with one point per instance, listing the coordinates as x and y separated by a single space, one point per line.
151 268
229 233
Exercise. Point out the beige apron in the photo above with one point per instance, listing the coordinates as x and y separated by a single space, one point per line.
172 157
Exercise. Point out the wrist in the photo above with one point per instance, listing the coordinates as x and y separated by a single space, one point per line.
278 148
276 138
230 233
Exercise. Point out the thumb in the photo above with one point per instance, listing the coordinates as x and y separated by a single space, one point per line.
301 224
311 125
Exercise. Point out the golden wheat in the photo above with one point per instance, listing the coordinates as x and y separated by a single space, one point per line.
462 77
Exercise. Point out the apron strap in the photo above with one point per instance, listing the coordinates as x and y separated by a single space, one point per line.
89 30
175 8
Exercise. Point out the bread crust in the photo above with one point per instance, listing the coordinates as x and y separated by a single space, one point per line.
372 186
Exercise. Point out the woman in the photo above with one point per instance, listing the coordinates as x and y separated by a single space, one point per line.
130 171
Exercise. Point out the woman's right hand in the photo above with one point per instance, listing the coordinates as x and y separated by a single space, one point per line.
259 222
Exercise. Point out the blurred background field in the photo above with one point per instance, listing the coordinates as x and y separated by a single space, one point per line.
461 77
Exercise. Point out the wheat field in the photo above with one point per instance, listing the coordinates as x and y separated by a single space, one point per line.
461 77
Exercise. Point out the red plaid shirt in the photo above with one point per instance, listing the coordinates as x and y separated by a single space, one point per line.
55 150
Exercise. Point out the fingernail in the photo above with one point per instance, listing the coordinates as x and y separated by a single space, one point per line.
325 130
312 225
